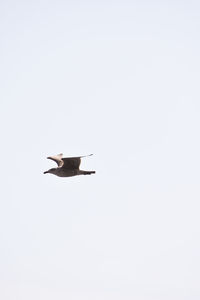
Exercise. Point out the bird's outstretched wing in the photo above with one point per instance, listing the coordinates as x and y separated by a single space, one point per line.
57 159
72 162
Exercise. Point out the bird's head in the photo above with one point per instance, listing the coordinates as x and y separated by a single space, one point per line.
52 171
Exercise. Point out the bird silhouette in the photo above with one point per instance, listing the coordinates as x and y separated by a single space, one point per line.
67 166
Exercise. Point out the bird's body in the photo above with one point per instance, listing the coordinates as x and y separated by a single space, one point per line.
68 166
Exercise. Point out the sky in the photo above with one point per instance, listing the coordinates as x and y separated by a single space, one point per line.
119 79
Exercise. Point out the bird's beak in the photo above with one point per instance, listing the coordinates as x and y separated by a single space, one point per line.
45 172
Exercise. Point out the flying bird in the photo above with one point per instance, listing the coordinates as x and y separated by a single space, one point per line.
67 166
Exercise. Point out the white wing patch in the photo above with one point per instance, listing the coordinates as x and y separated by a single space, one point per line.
57 159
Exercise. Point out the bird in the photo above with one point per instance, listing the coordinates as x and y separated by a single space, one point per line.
67 166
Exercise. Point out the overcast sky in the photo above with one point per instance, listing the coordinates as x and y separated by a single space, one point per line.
119 79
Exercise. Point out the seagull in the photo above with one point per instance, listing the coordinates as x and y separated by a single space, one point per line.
67 166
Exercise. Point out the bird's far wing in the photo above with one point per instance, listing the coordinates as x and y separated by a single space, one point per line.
72 162
57 159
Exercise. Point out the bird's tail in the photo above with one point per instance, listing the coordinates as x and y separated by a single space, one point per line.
87 172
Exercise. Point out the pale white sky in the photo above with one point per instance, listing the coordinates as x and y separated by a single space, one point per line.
119 79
